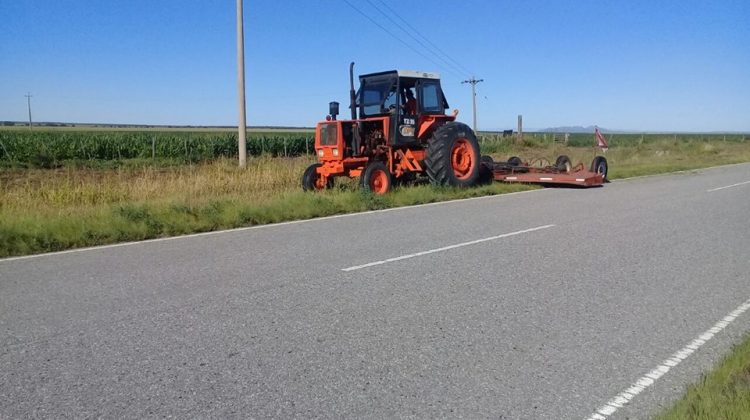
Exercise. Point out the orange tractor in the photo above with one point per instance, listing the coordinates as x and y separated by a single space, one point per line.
402 132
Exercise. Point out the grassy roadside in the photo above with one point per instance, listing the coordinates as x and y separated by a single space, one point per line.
44 210
723 393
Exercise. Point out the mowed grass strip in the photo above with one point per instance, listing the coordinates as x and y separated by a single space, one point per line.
44 210
53 210
723 393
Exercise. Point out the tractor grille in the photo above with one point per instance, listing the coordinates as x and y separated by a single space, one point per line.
328 134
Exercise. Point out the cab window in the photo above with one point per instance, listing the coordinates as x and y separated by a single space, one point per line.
430 98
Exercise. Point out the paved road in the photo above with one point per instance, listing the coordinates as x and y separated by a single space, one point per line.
496 320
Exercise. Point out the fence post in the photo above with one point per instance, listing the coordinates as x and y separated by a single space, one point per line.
153 147
186 152
284 146
307 146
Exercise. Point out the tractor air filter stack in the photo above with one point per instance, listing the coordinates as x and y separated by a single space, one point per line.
333 109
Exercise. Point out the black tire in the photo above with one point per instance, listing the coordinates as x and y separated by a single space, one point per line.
376 178
440 165
487 164
563 164
515 161
310 179
599 166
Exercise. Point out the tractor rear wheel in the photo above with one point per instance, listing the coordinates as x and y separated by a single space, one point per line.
376 178
599 166
453 156
312 181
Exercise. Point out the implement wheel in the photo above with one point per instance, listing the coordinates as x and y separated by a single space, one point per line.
376 178
563 164
599 166
515 161
312 181
453 156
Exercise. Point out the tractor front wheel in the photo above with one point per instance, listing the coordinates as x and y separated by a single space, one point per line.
376 178
313 181
453 156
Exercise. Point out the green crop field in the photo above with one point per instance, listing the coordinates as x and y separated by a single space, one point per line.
54 148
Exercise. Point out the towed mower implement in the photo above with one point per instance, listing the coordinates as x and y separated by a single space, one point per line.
539 171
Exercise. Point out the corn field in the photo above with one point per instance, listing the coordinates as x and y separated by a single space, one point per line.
49 148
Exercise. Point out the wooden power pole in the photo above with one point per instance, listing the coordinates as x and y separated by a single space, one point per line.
241 141
473 81
28 101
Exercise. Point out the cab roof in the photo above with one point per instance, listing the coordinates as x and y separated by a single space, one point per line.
405 73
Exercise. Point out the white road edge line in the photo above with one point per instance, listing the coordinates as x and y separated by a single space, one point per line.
650 378
266 226
445 248
728 186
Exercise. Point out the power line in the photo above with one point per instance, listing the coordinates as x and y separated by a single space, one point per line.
412 36
459 65
396 37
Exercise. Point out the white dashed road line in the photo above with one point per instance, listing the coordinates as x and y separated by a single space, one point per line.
648 379
728 186
445 248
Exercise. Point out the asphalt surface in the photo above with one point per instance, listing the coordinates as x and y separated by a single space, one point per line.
263 322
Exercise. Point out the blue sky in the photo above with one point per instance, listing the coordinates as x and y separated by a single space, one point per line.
635 65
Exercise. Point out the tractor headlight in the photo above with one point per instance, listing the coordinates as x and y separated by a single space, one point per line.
335 152
320 152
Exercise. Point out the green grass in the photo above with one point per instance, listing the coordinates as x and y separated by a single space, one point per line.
723 393
24 233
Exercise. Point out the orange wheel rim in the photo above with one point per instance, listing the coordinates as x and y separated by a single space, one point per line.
379 182
320 183
462 159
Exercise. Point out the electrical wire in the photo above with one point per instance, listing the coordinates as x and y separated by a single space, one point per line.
459 65
398 38
425 46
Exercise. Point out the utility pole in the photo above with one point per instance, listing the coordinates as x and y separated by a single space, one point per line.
242 142
474 82
28 100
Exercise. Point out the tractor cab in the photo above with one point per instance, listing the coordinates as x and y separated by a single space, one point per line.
406 98
398 132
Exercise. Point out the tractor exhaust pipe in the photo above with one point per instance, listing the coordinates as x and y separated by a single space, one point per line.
352 94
